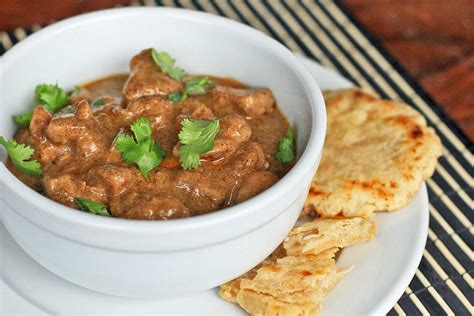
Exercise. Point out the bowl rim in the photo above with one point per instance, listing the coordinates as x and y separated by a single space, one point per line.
306 160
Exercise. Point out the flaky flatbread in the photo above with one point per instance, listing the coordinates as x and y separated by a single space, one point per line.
317 236
293 285
293 281
376 155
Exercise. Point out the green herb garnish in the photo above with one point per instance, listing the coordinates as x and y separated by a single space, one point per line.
177 96
23 120
98 102
285 148
141 149
91 207
20 155
51 96
194 86
197 137
166 64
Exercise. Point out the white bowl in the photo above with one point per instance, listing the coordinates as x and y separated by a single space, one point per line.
156 258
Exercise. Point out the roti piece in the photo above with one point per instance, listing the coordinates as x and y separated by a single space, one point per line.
376 155
228 291
291 285
297 276
261 304
319 235
292 275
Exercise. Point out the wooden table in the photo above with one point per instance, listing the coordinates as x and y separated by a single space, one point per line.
434 41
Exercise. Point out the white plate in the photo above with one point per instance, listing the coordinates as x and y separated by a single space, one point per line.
382 270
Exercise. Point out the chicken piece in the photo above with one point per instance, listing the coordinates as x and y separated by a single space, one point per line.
160 111
45 152
112 118
146 79
114 179
65 187
196 110
39 122
252 102
247 158
161 114
82 128
254 183
201 190
137 205
234 130
66 126
72 141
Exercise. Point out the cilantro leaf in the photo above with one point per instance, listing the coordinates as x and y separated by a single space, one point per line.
141 149
189 156
142 129
52 97
98 102
196 137
23 120
194 86
285 148
166 64
91 207
20 155
177 96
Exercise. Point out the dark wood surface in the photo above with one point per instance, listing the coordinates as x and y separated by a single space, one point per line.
432 39
25 13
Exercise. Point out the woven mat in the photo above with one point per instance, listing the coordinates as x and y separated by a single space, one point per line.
325 32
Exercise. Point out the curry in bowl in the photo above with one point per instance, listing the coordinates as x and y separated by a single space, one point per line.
154 144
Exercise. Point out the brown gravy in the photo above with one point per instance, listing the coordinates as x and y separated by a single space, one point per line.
76 146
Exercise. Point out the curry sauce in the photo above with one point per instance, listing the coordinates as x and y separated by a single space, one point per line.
76 147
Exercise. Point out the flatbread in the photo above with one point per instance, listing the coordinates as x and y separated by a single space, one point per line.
292 274
290 286
228 291
317 236
262 304
294 280
376 155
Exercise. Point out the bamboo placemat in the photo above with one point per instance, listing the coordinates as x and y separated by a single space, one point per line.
325 32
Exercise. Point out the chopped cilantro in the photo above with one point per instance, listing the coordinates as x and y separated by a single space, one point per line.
196 137
91 207
51 96
20 155
166 64
177 96
198 85
141 149
98 102
194 86
285 148
23 120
